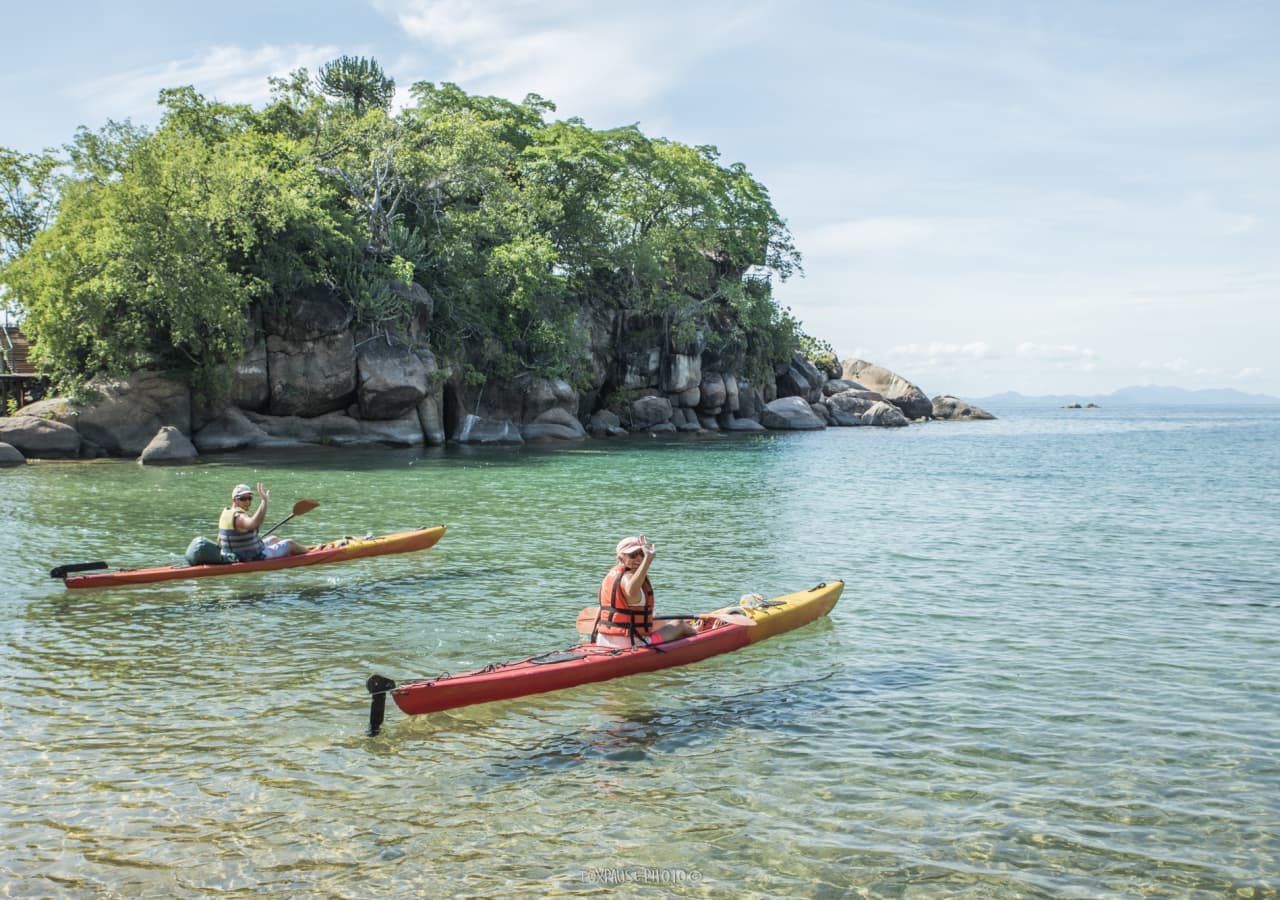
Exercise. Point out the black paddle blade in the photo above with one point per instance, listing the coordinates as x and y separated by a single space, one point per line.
377 685
64 571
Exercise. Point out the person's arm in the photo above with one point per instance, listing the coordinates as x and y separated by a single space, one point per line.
254 522
633 582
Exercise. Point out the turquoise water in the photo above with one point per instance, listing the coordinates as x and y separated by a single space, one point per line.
1055 671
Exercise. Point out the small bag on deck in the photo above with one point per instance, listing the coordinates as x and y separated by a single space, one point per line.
204 552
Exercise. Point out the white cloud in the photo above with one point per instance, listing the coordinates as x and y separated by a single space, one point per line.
229 74
589 62
939 352
885 233
1248 374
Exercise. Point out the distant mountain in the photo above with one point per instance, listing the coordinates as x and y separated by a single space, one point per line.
1145 395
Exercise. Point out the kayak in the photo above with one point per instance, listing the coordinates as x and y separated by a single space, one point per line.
343 550
750 622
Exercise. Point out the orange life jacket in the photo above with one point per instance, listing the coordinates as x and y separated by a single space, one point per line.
617 617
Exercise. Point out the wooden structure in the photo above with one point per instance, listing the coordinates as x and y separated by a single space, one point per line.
20 383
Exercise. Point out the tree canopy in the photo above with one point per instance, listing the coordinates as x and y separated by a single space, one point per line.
520 227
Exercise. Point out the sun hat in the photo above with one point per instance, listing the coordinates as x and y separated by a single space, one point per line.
629 545
240 490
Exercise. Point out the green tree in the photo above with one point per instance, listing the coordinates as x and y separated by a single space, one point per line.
357 80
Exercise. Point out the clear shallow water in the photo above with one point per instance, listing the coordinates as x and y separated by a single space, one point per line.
1054 671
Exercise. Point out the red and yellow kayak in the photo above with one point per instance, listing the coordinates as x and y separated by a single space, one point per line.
338 551
587 663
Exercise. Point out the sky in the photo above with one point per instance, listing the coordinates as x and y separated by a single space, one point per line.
1042 197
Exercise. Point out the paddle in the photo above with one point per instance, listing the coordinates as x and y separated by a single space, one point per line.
301 508
64 571
587 619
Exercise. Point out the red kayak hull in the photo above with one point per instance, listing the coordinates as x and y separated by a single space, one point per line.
586 664
342 550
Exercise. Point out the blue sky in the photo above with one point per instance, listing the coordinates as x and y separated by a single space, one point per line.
1036 196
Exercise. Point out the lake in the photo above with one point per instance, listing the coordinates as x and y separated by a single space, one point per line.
1055 670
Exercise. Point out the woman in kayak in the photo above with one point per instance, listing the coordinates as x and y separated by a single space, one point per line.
238 530
626 601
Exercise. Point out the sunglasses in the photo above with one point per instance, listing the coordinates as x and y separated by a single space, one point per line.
245 497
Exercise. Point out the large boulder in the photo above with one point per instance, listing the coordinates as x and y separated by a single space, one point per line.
790 414
554 425
682 372
10 456
839 385
801 379
122 415
642 369
848 407
885 415
40 438
714 394
892 386
391 379
231 430
339 430
731 402
55 409
170 446
313 376
605 424
431 418
307 314
543 395
648 412
946 406
250 388
420 303
746 425
479 430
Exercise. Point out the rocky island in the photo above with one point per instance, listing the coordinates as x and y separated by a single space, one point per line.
325 271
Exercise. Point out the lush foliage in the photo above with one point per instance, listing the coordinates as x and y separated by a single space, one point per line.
524 230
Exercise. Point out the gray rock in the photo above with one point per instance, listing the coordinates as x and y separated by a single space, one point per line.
537 431
36 438
745 425
230 430
554 424
478 430
731 400
311 377
801 379
122 415
648 412
605 424
55 409
884 414
945 406
337 429
839 385
689 399
642 369
848 407
661 428
10 456
169 446
823 412
709 423
431 418
714 393
893 387
249 386
391 378
543 395
307 314
790 414
421 305
682 373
